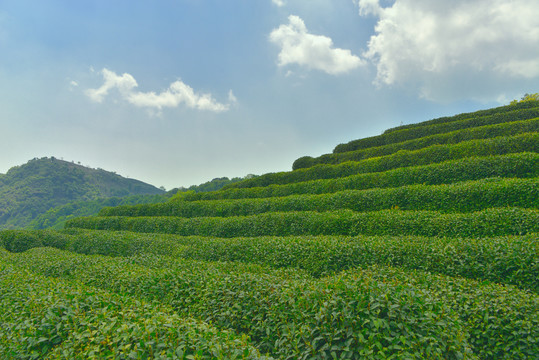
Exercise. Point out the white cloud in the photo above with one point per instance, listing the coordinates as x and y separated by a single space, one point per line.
279 3
447 49
232 98
178 93
313 51
124 83
369 7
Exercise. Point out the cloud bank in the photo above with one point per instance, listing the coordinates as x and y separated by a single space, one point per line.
449 48
300 47
178 93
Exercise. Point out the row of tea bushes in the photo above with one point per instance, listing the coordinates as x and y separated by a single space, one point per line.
379 312
296 318
457 197
508 260
528 142
47 318
91 242
519 165
463 116
503 322
454 137
432 129
489 222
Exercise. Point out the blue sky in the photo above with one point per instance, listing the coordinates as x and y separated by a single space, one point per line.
178 92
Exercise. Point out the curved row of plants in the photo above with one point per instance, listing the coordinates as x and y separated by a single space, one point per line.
519 165
372 313
252 301
457 197
528 142
489 222
432 129
476 114
48 318
454 137
510 260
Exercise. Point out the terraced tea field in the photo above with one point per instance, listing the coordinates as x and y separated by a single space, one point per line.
420 243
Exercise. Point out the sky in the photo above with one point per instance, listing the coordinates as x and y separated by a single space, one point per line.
178 92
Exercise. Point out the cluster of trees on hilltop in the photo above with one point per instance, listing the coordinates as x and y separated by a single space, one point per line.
526 97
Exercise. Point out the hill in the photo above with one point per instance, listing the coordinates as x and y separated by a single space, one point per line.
421 243
31 189
56 217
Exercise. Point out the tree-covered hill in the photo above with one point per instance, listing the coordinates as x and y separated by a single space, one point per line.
30 190
56 217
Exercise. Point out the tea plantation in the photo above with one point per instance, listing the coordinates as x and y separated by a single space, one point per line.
420 243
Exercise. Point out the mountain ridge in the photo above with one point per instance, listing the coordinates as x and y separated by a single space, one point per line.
28 190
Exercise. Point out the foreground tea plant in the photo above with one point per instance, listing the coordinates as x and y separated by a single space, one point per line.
286 313
46 318
508 260
489 222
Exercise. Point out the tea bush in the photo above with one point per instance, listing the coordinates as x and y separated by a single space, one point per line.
415 132
509 260
289 317
463 116
454 137
528 142
489 222
519 165
457 197
47 318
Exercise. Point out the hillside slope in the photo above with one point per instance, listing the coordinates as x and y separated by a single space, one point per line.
56 217
421 243
31 189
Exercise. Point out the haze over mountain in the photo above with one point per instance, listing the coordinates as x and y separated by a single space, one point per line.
31 189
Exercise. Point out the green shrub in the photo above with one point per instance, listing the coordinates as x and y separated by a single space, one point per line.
503 322
288 315
454 137
373 313
519 165
45 318
508 260
489 222
463 116
439 128
458 197
22 240
528 142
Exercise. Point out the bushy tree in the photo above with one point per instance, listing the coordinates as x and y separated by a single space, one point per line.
527 97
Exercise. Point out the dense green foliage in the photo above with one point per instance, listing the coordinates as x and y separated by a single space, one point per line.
425 246
519 165
56 217
30 190
350 316
509 260
457 197
528 142
489 222
528 99
463 116
46 318
212 185
415 132
372 313
454 137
